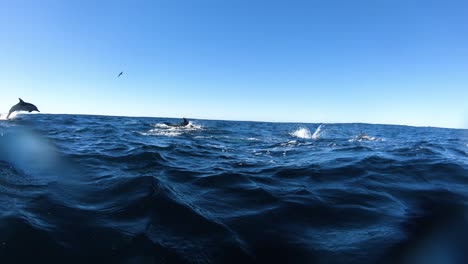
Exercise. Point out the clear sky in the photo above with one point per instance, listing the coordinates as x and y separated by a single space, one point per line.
375 61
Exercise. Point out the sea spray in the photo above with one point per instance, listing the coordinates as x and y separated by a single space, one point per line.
302 133
317 132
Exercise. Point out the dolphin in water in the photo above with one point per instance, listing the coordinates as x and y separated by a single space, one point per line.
22 106
363 136
184 123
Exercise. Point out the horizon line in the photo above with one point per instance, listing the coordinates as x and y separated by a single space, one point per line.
256 121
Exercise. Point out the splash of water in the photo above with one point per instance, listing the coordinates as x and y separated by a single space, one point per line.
12 116
302 133
317 132
305 133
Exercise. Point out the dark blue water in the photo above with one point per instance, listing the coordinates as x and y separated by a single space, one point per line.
94 189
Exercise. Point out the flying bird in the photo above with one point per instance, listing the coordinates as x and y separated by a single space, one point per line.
120 74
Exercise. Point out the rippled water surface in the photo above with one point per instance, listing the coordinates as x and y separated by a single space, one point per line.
94 189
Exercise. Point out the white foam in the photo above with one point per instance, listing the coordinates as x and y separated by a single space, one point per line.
154 132
190 126
161 129
202 137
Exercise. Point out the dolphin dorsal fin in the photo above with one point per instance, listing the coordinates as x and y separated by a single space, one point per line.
21 100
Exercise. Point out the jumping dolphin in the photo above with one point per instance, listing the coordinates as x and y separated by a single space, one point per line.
22 106
120 74
185 122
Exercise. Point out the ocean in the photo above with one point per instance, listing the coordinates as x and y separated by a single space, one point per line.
100 189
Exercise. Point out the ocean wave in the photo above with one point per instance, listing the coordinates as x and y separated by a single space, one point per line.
132 190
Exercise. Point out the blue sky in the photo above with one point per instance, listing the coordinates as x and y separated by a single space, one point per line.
387 61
